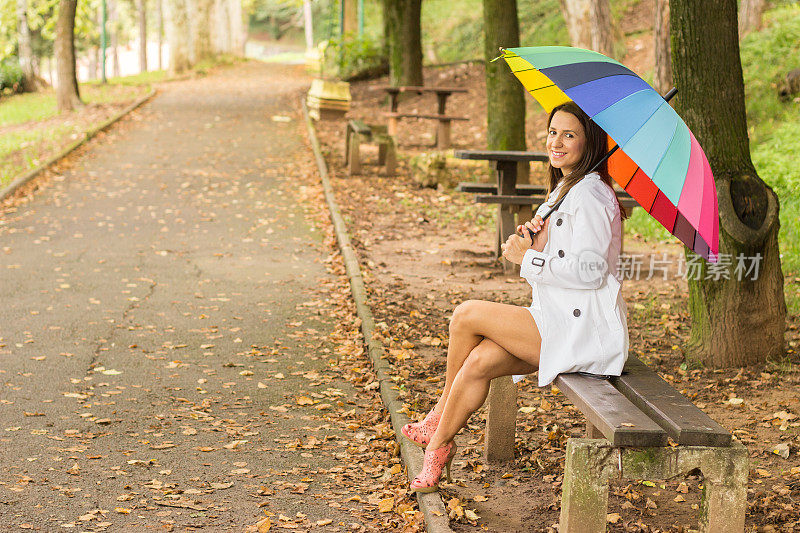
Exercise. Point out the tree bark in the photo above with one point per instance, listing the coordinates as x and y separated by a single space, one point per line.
662 75
405 42
203 48
750 12
113 22
179 36
141 8
505 98
160 4
601 27
589 24
350 18
67 93
30 79
734 322
238 29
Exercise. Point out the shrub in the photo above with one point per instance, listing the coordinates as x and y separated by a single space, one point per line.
351 58
10 75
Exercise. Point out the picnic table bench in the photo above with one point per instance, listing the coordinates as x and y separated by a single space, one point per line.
444 120
637 427
357 132
514 201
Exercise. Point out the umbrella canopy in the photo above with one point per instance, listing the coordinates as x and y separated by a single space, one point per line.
659 163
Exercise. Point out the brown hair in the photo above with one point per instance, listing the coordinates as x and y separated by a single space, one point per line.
594 151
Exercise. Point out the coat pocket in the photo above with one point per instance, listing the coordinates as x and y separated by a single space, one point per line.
608 295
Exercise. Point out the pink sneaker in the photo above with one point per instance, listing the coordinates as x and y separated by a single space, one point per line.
435 461
420 433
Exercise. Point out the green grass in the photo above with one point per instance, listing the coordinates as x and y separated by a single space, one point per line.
23 108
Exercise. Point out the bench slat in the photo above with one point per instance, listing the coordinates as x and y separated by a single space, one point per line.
682 420
621 422
474 187
395 114
508 199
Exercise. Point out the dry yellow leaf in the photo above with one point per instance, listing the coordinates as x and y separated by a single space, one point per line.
264 525
386 505
305 400
613 518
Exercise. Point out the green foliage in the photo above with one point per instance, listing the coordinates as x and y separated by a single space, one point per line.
10 75
277 16
351 55
774 127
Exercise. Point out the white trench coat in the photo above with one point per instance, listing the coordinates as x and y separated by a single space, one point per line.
576 299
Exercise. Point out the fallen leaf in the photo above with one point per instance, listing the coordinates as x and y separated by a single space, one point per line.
386 505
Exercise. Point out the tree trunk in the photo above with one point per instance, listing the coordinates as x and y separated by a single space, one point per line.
67 94
405 42
735 321
202 45
160 4
662 76
222 27
350 18
505 98
114 34
589 24
141 7
238 29
601 27
750 12
30 81
179 36
308 24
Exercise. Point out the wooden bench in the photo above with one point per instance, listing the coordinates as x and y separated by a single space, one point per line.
637 427
443 129
358 132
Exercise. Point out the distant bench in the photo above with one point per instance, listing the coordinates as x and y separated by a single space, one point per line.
443 129
637 427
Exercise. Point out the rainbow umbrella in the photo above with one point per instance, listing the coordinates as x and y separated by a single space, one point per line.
659 163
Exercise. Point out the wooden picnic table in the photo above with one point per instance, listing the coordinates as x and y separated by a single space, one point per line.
513 198
442 94
510 201
443 119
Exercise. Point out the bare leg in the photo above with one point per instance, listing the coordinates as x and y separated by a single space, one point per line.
469 325
511 345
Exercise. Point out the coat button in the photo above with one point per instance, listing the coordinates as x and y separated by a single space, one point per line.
577 312
561 253
559 222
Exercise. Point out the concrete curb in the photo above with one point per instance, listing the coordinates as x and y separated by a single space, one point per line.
431 505
18 182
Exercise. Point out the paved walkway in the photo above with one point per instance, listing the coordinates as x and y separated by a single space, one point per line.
159 327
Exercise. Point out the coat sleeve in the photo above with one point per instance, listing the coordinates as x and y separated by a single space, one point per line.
583 265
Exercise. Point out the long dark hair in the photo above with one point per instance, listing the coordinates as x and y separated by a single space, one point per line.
596 148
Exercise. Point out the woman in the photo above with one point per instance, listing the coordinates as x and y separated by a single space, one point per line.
577 318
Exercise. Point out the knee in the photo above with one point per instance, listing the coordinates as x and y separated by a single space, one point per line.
478 364
464 316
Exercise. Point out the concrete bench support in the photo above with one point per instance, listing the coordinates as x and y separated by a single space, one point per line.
501 420
590 463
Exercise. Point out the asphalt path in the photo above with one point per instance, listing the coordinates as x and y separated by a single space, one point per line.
160 319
